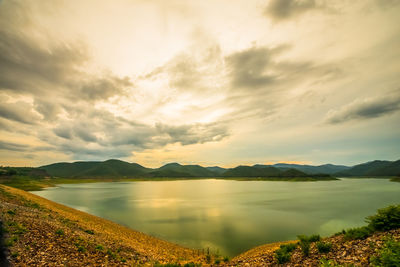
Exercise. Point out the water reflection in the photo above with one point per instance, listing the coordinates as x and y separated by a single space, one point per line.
231 216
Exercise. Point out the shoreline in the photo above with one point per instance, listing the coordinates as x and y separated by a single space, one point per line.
42 232
151 248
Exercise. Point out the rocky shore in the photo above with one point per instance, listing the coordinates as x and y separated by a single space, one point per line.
39 232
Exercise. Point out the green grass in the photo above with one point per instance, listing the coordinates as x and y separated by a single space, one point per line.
389 255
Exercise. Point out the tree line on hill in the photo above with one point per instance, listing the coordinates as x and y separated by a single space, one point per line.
121 169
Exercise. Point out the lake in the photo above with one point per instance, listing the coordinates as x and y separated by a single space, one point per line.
230 216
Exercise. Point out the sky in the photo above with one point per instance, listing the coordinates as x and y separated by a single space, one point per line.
199 82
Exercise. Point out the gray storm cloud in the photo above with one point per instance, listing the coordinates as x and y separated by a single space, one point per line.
362 109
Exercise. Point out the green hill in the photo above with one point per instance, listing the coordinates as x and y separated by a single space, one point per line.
88 169
251 171
181 170
373 168
326 168
120 169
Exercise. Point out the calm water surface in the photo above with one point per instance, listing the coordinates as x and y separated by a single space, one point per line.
230 216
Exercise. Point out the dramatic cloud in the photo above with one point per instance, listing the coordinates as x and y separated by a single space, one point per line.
285 9
249 66
365 109
19 111
141 79
13 146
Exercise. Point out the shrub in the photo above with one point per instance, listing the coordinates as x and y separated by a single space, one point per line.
289 247
305 247
389 255
226 259
305 242
310 239
385 219
217 261
283 254
357 233
324 247
99 247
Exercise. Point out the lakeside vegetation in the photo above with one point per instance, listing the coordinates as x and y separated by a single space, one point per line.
385 219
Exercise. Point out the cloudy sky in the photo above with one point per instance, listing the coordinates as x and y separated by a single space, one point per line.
214 82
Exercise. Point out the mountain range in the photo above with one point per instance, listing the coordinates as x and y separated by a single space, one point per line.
120 169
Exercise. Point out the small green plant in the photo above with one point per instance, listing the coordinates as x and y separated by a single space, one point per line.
60 232
305 242
389 255
81 248
283 254
10 242
15 254
226 259
11 212
217 261
358 233
19 229
90 232
324 247
99 247
123 260
385 219
111 253
289 247
305 247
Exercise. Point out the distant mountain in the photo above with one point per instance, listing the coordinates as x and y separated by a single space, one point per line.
373 168
182 170
121 169
216 169
264 171
88 169
326 168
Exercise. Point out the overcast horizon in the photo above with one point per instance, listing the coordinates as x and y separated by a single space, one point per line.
218 82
